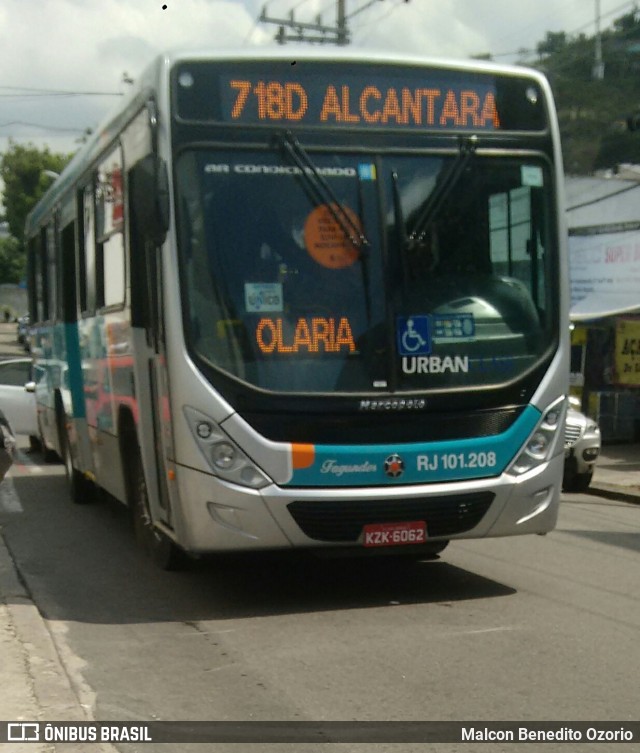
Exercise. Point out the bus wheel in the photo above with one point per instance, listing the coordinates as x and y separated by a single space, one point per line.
49 455
151 540
80 489
431 550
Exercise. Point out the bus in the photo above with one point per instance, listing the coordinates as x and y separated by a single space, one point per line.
314 302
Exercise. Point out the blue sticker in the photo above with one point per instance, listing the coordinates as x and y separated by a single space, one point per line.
414 335
367 172
454 326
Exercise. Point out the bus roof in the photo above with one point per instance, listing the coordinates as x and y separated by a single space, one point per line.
157 72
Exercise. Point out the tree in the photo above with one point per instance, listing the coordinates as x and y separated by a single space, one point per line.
628 25
22 170
554 42
12 261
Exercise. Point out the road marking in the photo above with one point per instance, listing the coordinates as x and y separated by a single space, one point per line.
9 500
488 630
22 463
479 631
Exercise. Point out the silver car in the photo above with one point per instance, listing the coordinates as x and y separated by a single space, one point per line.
582 444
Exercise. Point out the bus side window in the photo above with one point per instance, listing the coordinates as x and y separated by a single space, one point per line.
87 265
42 283
67 273
35 284
51 273
80 265
109 209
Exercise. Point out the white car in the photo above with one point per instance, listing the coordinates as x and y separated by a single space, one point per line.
582 444
17 395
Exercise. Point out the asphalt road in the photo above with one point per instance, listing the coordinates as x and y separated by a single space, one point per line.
532 628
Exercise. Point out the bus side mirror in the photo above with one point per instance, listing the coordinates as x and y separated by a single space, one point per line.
149 190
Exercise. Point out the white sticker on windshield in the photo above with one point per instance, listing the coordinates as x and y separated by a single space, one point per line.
263 296
531 176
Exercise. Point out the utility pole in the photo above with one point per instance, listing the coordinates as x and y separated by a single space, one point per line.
316 31
598 65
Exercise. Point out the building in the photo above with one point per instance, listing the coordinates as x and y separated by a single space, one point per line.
603 217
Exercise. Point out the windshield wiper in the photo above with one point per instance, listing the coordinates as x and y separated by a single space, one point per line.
323 193
437 197
400 227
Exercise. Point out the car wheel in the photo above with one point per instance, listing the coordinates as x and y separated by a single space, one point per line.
579 482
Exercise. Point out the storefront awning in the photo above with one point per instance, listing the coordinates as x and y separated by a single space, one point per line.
600 304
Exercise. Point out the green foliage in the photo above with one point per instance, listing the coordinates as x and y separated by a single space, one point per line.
13 261
592 113
553 43
629 24
22 170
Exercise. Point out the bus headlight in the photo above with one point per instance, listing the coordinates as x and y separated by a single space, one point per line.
222 454
540 444
537 446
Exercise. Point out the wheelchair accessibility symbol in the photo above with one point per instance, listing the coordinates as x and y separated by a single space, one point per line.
414 335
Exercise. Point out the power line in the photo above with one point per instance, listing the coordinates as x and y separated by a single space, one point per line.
529 27
376 21
577 30
292 30
44 127
26 91
567 58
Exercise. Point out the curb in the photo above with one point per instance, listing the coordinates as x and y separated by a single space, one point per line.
49 683
615 492
36 686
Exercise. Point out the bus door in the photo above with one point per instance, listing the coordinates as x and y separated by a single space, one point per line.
147 319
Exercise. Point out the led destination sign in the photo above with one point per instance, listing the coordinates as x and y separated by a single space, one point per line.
356 95
360 103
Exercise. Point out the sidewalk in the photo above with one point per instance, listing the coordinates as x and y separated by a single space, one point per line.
35 684
617 472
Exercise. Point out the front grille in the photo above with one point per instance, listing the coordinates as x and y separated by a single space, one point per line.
572 434
343 520
323 426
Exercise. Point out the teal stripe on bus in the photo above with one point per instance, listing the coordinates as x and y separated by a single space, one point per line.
416 463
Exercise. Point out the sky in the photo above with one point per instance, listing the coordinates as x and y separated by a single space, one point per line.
63 63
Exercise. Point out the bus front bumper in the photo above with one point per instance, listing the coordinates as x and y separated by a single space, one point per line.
216 516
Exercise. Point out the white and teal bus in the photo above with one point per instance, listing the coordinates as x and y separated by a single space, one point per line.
310 303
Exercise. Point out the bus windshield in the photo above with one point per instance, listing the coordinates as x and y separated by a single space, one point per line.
353 272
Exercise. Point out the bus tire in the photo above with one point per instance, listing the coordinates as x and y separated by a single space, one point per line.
49 455
80 489
434 548
429 551
156 544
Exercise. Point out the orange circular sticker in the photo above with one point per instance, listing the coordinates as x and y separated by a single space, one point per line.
326 241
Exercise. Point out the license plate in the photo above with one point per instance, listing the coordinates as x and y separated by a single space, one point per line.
395 534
